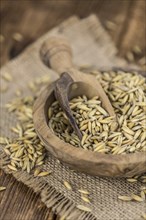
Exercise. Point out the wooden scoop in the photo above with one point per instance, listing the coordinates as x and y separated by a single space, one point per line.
55 53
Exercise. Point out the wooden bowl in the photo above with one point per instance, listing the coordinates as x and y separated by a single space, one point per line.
94 163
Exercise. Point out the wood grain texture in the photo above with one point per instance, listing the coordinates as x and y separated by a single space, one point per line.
32 19
18 202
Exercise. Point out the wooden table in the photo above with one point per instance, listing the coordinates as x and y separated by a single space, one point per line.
32 18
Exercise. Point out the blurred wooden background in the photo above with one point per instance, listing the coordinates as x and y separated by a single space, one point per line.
123 19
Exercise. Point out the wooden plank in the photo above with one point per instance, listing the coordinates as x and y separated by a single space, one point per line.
34 18
18 202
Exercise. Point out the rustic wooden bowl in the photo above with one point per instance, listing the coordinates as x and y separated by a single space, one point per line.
94 163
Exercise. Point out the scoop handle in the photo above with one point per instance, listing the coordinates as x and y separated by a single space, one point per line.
57 54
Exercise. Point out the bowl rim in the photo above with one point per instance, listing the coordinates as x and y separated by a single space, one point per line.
90 162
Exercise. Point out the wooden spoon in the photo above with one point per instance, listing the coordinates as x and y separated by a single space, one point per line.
57 54
62 88
93 163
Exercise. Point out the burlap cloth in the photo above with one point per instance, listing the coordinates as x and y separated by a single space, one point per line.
91 45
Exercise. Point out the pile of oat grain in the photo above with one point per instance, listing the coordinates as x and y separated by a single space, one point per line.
127 93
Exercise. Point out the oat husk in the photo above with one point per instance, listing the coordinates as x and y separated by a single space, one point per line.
103 192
